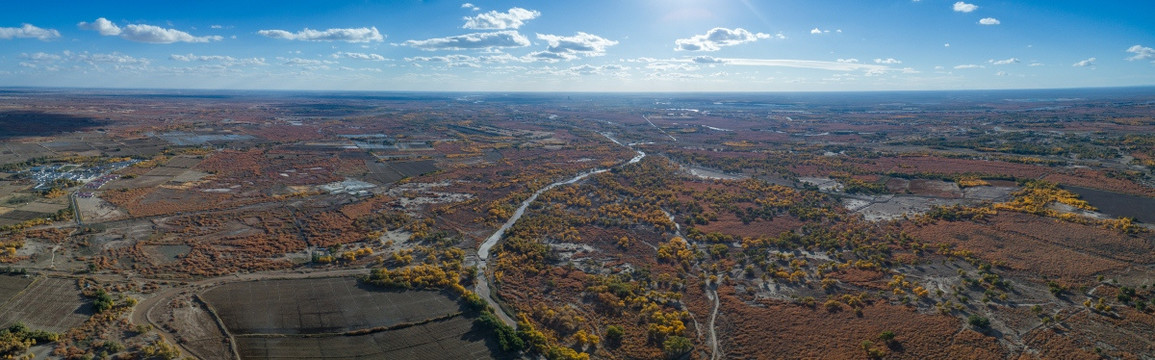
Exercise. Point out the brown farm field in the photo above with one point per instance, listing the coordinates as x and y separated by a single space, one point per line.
48 303
11 286
327 305
452 338
339 318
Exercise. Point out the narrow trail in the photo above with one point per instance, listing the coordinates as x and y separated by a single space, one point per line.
659 129
52 260
712 294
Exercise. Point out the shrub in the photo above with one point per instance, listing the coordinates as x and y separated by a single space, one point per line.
506 336
978 322
677 345
886 336
614 334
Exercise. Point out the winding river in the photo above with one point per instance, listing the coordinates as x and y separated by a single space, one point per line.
483 251
482 287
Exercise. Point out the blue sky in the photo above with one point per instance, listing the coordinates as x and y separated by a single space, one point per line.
589 45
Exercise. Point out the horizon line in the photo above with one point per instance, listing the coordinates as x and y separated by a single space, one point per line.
77 88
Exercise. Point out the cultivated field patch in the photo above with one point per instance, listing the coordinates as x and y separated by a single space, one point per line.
53 304
445 339
10 286
328 305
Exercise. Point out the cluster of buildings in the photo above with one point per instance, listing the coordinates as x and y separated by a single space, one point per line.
48 175
100 181
349 186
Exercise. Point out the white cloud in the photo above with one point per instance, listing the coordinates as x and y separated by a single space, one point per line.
468 61
707 60
550 57
587 69
964 7
352 35
810 64
52 62
718 37
1035 64
1084 63
346 68
672 76
191 57
359 56
114 58
448 60
28 31
309 64
849 61
158 35
144 33
1004 61
671 66
501 58
989 21
572 47
226 60
493 20
41 56
968 66
1001 73
490 40
102 26
815 31
1141 53
889 61
216 27
470 6
792 63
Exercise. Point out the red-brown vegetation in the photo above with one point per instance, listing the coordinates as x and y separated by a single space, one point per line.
790 331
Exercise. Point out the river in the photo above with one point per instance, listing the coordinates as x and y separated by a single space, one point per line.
483 251
482 287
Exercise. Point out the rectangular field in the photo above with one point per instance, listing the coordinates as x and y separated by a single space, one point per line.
413 168
183 162
16 216
325 305
10 285
52 304
446 339
45 207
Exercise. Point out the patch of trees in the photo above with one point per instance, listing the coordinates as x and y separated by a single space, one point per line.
957 213
18 338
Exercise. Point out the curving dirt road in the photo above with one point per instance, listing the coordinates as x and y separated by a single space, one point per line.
712 294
